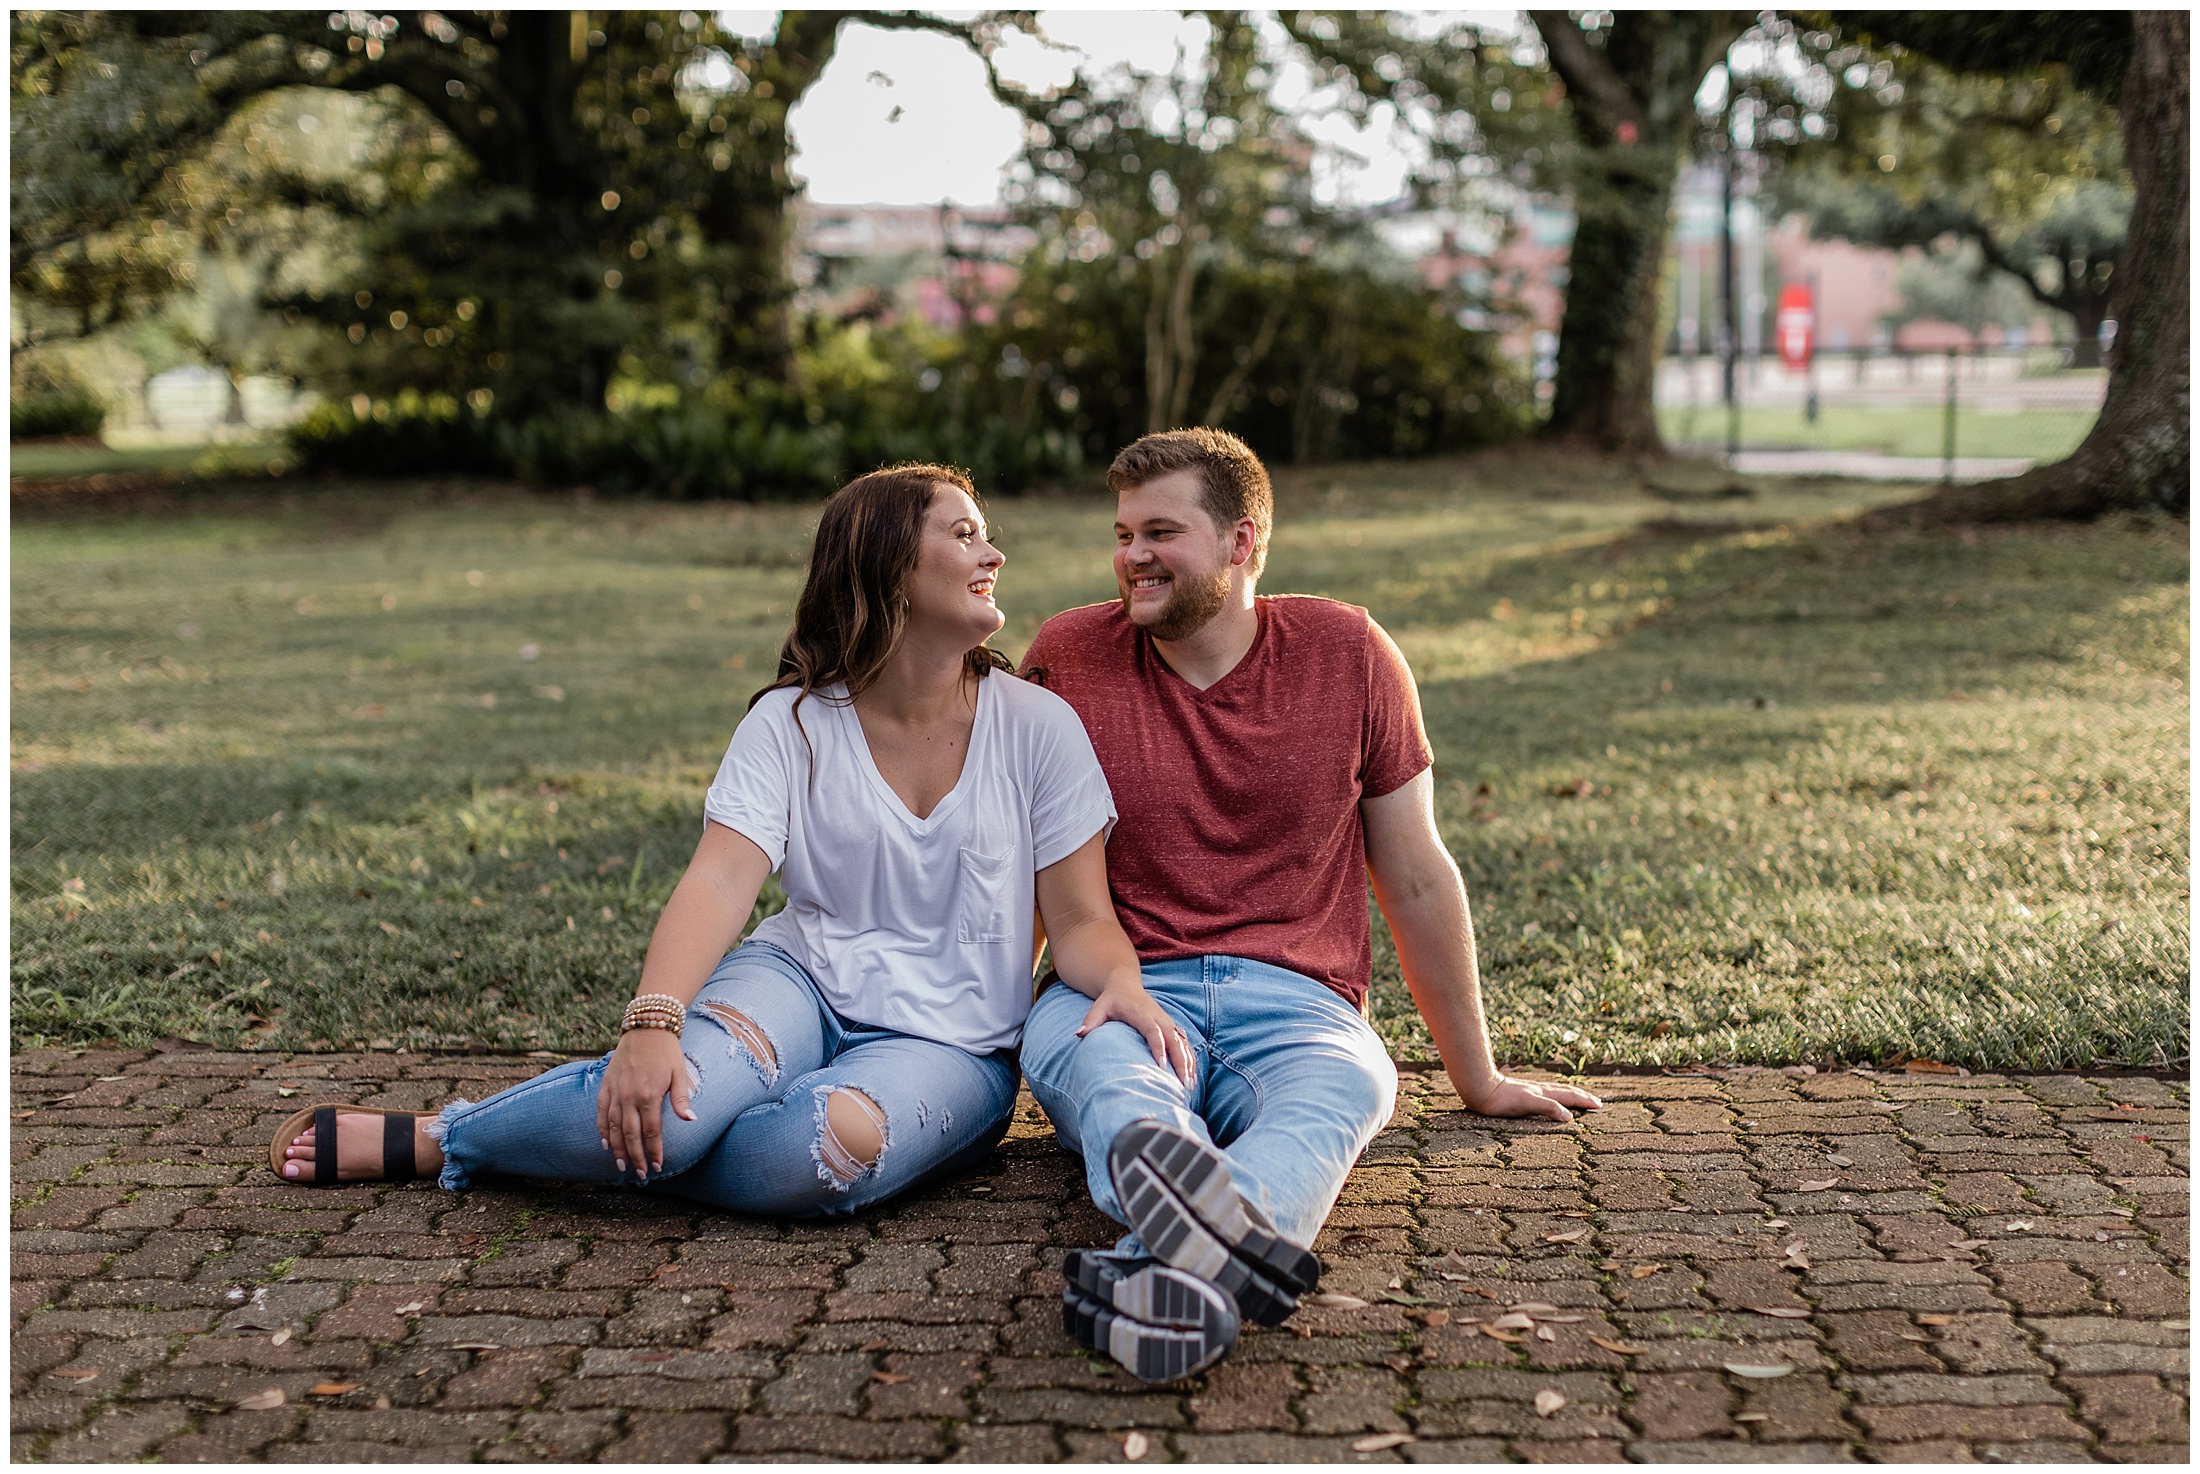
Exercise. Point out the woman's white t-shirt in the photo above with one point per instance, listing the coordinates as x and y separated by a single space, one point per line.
923 926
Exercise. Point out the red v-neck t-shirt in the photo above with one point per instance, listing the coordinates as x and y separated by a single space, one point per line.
1240 805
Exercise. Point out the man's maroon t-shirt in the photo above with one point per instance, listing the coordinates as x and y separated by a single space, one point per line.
1239 829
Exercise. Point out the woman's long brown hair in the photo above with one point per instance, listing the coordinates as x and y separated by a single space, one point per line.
852 613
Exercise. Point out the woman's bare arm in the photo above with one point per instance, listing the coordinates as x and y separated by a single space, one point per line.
1094 956
700 925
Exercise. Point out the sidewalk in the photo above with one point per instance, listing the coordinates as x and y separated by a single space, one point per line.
1728 1266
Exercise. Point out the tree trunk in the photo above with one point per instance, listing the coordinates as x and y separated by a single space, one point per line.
1633 104
1607 339
2139 453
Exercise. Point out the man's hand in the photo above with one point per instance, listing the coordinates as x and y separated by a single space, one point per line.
1508 1097
1129 1003
647 1066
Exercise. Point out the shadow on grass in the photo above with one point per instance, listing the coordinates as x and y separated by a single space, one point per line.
1818 795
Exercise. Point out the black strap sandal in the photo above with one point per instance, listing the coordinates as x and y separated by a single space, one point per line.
398 1162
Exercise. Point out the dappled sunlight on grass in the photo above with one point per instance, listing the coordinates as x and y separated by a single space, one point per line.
1727 780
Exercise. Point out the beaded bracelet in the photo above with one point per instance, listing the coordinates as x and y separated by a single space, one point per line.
654 1011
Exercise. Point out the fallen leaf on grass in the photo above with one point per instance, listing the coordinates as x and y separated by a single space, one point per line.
1569 1236
1377 1441
1545 1333
890 1379
1644 1271
333 1389
1549 1401
1497 1335
1816 1185
260 1402
1618 1348
1744 1369
1936 1320
81 1374
1341 1302
1135 1445
1783 1312
1933 1067
279 1337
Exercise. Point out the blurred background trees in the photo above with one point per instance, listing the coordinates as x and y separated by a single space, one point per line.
559 244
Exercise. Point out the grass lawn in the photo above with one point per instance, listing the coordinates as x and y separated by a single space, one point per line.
2044 434
418 765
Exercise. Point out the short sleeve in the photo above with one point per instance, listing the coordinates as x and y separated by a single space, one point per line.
1394 745
1070 802
754 790
1037 656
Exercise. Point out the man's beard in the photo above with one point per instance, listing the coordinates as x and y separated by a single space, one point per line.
1193 600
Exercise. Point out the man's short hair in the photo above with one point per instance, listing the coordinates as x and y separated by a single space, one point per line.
1233 482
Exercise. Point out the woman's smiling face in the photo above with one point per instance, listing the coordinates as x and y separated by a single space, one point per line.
951 588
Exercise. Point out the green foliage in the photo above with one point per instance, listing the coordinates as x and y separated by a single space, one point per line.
404 435
1954 286
47 401
2023 167
57 412
1904 792
1355 359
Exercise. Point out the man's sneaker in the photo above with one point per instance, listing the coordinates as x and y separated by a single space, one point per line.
1177 1194
1205 1327
1147 1288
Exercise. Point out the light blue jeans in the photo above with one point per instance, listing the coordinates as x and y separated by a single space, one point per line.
1289 1081
759 1141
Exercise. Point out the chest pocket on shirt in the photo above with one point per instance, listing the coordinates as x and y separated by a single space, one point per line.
983 910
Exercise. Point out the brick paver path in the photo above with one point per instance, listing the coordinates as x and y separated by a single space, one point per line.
1944 1268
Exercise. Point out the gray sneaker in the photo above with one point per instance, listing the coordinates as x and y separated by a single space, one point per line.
1178 1196
1196 1324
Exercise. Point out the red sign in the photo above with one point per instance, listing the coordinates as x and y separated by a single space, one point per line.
1793 325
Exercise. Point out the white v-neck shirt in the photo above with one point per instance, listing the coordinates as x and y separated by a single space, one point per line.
923 926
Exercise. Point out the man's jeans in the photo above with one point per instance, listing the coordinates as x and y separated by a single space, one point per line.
758 1143
1289 1081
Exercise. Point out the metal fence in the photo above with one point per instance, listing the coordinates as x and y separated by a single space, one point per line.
1965 415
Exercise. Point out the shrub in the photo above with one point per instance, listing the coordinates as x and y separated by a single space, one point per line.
46 401
407 435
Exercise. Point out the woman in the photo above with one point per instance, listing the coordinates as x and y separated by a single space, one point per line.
916 801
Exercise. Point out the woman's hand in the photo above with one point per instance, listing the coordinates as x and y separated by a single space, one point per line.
645 1068
1128 1002
1508 1097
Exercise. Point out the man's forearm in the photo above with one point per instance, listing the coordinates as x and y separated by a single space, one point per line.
1434 931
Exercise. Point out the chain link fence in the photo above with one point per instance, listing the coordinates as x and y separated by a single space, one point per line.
1960 415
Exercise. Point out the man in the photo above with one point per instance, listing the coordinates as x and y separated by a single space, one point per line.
1267 758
